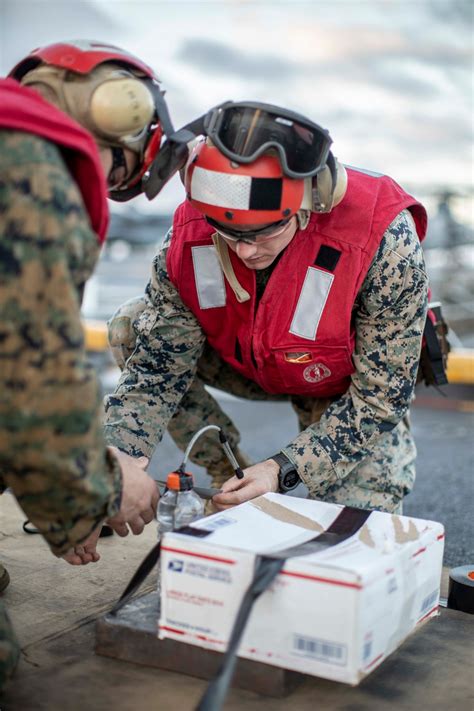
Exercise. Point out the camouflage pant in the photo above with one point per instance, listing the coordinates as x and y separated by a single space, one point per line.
9 647
379 482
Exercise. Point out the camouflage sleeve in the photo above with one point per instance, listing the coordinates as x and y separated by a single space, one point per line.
52 452
160 369
390 312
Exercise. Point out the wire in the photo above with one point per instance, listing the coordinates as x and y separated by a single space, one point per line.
225 446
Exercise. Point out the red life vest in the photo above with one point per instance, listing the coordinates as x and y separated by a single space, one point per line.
299 339
25 110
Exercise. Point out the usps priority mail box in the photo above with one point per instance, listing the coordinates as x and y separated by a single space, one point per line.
335 613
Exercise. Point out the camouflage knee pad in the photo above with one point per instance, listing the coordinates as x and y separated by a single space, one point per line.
9 647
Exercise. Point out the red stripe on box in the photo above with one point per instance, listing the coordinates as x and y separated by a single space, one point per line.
188 634
198 555
171 629
422 550
435 609
374 661
440 537
343 584
209 639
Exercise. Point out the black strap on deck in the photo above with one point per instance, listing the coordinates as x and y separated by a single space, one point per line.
266 570
349 521
145 567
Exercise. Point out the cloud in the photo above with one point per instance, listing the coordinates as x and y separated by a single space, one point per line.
209 55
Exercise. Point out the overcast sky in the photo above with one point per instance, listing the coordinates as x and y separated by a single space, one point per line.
390 79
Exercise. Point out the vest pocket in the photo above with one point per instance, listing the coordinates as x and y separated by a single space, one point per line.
305 370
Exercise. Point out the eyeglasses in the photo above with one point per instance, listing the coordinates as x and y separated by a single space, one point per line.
252 236
243 131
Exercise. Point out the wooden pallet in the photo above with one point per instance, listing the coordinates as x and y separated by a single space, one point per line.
132 636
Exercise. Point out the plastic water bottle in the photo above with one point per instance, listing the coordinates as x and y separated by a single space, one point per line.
178 507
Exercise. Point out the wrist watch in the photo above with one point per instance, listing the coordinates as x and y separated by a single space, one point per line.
288 478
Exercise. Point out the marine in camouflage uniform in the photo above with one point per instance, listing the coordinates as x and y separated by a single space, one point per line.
68 113
355 449
52 451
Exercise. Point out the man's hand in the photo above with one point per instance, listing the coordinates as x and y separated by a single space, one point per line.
85 552
139 495
258 479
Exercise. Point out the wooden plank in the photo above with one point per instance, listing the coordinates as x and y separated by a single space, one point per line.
439 651
132 636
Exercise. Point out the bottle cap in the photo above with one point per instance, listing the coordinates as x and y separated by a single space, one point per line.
172 481
179 481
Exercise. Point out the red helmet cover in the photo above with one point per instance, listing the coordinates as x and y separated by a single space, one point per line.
80 56
256 193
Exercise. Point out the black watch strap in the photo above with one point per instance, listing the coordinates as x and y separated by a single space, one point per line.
288 478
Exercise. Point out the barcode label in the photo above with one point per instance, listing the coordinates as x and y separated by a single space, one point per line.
429 601
218 522
320 649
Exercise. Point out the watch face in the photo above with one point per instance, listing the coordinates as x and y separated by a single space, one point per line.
290 480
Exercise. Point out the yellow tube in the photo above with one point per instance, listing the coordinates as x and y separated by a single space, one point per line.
461 366
96 335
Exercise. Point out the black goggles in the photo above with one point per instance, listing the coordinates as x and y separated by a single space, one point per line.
244 130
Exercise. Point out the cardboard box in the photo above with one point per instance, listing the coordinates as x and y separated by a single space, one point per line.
335 613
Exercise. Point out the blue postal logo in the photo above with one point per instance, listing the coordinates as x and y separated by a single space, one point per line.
176 566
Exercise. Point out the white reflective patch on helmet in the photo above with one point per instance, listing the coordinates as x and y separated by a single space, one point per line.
312 300
221 189
209 277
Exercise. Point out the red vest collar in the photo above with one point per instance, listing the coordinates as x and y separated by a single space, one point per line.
25 110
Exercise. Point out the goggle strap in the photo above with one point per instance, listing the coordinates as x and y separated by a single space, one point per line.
331 163
161 108
171 157
125 195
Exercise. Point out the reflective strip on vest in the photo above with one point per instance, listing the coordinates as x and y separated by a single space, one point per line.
209 278
312 300
214 188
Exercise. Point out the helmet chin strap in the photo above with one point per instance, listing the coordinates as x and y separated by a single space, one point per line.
173 155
